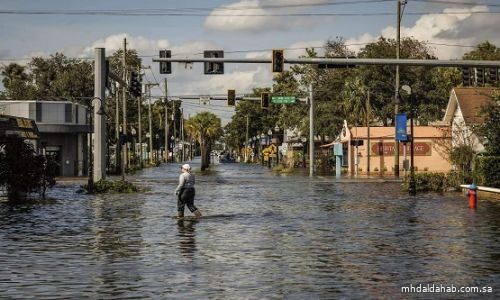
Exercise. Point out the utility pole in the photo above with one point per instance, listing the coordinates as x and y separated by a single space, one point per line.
166 121
99 120
117 128
396 86
139 108
148 89
246 141
368 133
182 134
124 112
311 130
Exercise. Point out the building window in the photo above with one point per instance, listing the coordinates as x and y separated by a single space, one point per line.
68 113
76 114
39 112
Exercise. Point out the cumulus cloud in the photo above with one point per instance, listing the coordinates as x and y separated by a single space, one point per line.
442 31
258 16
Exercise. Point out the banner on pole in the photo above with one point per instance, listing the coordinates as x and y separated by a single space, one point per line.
401 134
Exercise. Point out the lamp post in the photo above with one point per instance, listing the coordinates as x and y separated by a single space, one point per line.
262 137
157 136
149 153
90 172
412 189
133 133
277 130
172 138
304 149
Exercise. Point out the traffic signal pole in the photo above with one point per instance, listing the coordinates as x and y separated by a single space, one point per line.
124 157
311 130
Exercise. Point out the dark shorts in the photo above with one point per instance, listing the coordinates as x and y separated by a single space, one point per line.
186 197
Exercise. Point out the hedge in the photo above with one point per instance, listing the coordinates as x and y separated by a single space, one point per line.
487 171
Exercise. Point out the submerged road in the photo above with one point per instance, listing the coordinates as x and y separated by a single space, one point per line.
263 236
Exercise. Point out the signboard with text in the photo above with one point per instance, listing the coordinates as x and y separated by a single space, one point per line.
283 99
387 149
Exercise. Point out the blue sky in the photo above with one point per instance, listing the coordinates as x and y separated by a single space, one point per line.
26 35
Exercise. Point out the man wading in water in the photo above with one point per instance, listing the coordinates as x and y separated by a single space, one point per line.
185 192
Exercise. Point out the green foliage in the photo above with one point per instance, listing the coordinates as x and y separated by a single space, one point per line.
491 127
205 127
483 51
439 182
117 186
462 156
22 171
487 171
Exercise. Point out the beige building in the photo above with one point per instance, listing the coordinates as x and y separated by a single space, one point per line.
375 149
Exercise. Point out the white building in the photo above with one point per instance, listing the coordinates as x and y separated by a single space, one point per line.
63 128
463 114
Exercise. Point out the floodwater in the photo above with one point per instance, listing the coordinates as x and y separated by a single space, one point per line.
263 236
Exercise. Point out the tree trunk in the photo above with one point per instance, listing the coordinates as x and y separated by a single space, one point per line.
204 148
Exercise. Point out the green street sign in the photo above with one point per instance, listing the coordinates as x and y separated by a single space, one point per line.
283 99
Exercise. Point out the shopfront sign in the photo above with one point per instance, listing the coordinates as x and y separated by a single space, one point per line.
387 149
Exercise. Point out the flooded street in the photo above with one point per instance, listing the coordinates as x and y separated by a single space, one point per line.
262 236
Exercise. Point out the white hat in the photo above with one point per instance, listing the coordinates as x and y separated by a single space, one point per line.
186 167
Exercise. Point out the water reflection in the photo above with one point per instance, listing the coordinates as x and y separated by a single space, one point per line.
262 236
186 237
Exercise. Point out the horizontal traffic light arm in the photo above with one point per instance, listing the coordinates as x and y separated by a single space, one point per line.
346 61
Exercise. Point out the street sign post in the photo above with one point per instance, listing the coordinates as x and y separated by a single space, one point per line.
283 99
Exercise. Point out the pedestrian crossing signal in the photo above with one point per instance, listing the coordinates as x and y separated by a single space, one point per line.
231 97
264 100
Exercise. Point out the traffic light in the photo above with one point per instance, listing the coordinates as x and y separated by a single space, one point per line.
479 76
264 100
278 61
492 76
213 68
231 97
135 87
466 80
165 67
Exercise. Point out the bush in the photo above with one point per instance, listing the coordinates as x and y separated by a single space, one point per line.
439 182
487 171
22 171
118 186
455 178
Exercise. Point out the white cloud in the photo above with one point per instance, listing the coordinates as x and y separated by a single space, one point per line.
441 29
256 16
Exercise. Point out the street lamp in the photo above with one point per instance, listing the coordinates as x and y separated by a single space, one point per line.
148 135
90 172
133 133
157 136
304 149
172 138
412 189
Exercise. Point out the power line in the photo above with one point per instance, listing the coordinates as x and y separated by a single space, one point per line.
457 3
171 14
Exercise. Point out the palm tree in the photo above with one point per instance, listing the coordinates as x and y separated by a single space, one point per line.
205 127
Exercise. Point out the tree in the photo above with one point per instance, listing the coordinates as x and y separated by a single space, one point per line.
22 171
16 82
483 51
430 86
491 127
205 127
